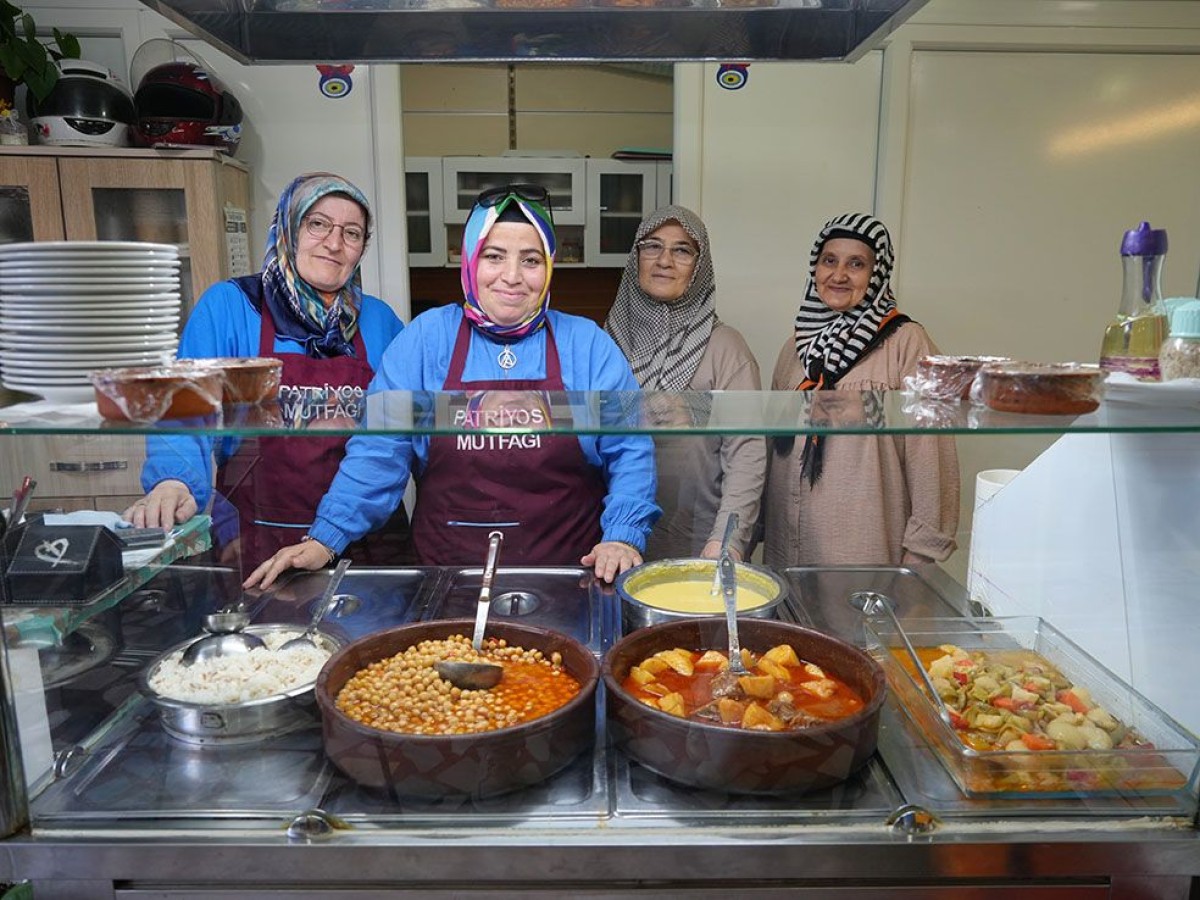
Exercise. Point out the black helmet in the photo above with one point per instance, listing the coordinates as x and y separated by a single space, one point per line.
89 106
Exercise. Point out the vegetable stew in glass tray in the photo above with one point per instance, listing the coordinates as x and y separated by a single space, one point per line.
1022 711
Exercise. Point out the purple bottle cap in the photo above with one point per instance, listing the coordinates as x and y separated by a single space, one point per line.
1144 241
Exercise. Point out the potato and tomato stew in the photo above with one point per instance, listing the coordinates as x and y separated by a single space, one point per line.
1018 700
781 693
403 692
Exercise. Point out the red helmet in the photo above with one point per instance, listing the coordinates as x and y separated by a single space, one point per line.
179 104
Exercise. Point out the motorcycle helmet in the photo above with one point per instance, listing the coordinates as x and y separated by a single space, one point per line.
88 107
180 104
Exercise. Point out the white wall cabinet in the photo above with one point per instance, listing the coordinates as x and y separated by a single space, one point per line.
596 203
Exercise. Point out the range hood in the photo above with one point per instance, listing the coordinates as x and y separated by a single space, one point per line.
307 31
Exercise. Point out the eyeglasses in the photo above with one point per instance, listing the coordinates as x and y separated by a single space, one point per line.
320 228
680 253
534 193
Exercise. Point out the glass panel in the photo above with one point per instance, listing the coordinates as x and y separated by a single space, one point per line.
420 223
16 215
141 214
620 210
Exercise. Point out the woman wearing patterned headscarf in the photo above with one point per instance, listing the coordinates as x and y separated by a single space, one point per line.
851 499
665 321
306 308
558 499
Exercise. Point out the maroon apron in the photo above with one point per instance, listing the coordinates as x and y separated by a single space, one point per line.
538 489
276 483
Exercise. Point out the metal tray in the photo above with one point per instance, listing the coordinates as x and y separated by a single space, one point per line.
567 600
1155 779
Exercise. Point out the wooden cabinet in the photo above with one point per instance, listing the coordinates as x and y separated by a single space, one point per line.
173 197
596 203
176 197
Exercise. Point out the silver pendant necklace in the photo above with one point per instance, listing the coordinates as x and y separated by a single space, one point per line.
507 358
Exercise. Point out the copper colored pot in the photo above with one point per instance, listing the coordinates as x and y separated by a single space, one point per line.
730 759
479 765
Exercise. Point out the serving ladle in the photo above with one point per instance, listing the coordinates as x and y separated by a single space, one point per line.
225 638
729 589
730 527
477 676
308 638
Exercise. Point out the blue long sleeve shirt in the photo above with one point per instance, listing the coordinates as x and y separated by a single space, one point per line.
371 480
225 323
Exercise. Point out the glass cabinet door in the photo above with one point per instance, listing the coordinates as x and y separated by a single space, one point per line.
465 177
423 204
29 200
619 195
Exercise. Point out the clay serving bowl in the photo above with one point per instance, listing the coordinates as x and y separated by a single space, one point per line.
179 390
729 759
480 765
249 379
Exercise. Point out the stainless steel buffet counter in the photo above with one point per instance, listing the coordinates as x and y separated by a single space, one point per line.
130 812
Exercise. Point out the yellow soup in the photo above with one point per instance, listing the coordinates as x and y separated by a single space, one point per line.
697 597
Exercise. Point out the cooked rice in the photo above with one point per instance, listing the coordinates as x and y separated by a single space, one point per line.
262 672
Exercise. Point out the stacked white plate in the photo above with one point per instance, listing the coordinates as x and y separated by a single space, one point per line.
70 307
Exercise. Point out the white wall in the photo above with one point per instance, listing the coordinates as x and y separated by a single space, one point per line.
290 127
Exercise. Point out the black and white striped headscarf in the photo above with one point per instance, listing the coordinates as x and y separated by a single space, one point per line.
828 342
664 342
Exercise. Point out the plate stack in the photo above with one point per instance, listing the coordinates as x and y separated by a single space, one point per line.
70 307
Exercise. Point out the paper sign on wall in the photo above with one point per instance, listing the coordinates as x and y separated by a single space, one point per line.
237 241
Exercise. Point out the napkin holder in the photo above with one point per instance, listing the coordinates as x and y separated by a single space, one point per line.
60 565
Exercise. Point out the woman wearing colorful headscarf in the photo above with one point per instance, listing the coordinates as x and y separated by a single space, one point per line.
856 499
306 308
559 499
665 321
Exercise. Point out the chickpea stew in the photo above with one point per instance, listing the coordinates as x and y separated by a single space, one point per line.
781 693
403 693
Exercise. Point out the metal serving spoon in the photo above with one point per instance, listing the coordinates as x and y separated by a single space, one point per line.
731 524
729 589
226 637
473 676
308 638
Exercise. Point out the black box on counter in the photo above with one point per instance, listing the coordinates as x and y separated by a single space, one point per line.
61 565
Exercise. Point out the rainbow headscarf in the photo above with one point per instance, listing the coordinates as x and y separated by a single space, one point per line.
479 223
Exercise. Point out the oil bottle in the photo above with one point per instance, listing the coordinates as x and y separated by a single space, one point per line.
1132 340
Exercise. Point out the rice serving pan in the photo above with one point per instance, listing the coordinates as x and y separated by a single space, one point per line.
480 765
237 723
684 590
734 760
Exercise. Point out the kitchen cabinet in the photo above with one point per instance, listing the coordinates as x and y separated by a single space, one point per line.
596 203
162 196
195 199
129 811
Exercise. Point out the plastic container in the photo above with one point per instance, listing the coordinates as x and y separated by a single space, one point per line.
1180 353
1132 339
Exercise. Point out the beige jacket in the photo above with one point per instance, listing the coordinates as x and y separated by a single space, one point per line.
877 496
703 479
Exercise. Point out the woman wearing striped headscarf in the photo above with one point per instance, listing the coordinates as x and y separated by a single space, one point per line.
558 499
665 321
306 308
851 499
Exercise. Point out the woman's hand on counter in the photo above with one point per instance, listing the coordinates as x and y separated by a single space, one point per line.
305 555
168 504
712 550
611 558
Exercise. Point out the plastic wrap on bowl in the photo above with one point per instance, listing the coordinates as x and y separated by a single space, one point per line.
947 377
247 379
180 390
1164 762
1039 388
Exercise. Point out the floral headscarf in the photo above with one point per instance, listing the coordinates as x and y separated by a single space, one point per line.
479 223
664 342
296 306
